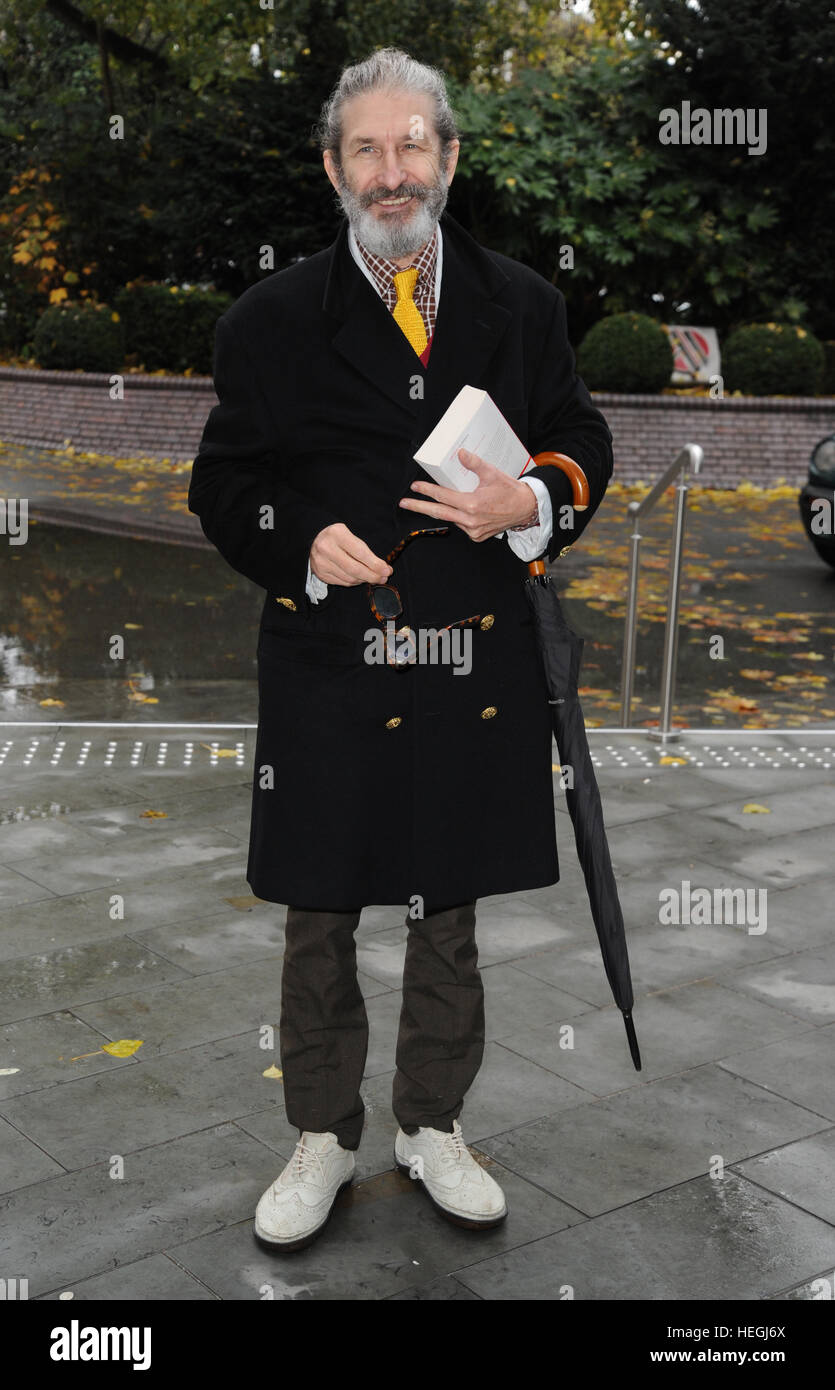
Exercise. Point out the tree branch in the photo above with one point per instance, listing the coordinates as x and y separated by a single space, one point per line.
115 44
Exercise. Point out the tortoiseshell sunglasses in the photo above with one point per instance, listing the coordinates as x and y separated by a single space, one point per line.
384 598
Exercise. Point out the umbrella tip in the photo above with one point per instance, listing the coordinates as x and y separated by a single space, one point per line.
632 1040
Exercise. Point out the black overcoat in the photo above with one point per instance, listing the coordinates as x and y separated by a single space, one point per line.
374 784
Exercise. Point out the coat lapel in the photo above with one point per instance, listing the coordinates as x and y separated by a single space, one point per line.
468 329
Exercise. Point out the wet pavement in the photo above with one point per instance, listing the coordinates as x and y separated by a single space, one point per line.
125 915
751 579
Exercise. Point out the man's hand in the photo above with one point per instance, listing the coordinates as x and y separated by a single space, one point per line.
496 504
337 556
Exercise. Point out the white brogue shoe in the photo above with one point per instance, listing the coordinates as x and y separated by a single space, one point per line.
296 1207
456 1184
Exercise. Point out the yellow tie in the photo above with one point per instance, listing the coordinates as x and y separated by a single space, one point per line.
406 313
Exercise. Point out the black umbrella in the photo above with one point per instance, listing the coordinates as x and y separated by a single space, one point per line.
561 650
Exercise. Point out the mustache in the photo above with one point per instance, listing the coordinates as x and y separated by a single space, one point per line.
407 191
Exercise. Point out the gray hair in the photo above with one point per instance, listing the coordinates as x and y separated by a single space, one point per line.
390 70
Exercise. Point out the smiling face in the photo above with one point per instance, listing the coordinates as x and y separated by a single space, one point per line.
391 183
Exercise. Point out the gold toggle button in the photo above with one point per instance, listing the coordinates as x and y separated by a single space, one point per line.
489 712
288 603
394 723
487 622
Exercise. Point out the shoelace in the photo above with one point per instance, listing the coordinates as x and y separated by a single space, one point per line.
453 1146
307 1160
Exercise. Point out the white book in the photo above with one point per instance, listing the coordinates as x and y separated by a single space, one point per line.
473 421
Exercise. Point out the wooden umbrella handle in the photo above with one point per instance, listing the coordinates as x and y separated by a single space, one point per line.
579 489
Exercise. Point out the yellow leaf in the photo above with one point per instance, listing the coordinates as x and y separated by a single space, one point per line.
221 752
752 807
153 815
273 1072
669 761
125 1047
49 704
132 627
56 296
752 675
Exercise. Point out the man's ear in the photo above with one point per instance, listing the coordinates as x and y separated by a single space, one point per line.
452 160
330 168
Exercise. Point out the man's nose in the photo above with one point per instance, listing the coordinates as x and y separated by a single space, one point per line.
391 172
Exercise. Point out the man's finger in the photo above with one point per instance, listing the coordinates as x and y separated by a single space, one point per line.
411 504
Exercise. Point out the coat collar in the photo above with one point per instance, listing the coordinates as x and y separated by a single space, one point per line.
468 329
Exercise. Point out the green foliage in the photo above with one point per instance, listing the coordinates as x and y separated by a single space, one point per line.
169 327
80 334
560 149
626 352
772 359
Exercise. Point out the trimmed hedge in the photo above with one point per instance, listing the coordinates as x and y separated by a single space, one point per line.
626 352
80 334
170 328
772 359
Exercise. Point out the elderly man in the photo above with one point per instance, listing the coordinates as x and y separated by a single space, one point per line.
426 782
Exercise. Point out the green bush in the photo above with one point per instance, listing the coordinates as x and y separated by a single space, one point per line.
626 352
772 359
168 327
80 334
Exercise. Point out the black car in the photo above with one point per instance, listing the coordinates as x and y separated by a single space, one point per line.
817 500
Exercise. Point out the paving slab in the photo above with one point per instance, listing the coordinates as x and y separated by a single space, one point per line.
609 1152
803 808
802 983
154 1279
220 941
800 1067
800 1173
132 1109
16 889
22 1161
77 1225
169 899
32 985
717 1239
678 1029
73 872
49 1049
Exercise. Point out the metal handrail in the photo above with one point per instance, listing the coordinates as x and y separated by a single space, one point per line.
692 455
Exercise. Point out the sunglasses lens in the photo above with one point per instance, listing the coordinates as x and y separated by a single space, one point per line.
386 602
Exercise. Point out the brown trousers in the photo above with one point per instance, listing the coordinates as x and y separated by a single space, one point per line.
324 1027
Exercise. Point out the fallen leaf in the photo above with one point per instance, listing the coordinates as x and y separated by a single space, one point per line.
124 1047
49 704
751 807
668 761
153 815
752 675
221 752
273 1072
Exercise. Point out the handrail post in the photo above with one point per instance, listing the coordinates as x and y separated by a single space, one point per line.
628 664
691 454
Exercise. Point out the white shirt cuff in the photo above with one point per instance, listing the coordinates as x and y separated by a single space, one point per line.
530 543
316 588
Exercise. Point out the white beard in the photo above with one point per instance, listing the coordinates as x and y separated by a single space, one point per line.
396 236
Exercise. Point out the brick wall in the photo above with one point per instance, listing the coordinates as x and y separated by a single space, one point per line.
744 438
